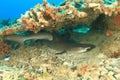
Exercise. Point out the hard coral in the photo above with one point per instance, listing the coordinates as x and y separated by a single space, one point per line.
68 14
4 48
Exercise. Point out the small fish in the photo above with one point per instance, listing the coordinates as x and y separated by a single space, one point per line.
81 29
63 3
7 58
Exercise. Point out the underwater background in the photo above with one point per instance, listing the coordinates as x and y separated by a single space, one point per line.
77 40
14 8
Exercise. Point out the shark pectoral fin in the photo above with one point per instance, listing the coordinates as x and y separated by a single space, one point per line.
87 49
90 47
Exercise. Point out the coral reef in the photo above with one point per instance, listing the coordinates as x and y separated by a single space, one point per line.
69 14
101 27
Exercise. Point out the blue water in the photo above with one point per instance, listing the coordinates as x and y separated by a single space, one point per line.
14 8
10 9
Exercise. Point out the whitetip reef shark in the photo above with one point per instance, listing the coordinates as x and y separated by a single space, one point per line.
63 45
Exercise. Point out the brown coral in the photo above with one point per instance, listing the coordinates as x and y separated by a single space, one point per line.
116 20
4 48
115 54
